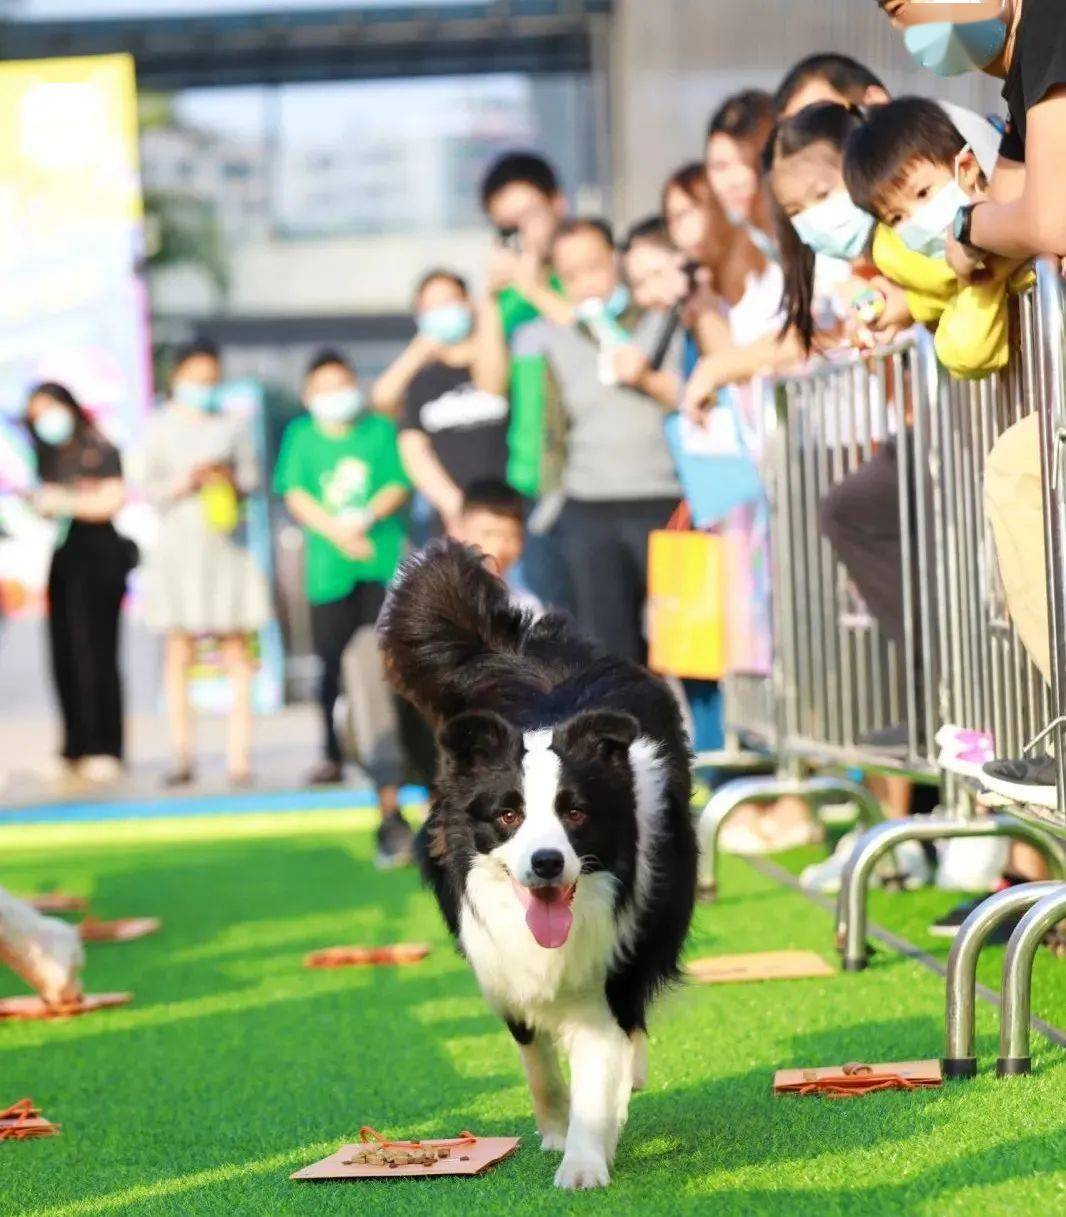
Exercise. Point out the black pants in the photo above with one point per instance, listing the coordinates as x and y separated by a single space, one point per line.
85 588
606 547
860 518
333 626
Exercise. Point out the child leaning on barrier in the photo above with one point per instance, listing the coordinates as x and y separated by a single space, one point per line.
910 167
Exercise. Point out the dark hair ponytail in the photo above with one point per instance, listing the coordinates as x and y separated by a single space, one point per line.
824 123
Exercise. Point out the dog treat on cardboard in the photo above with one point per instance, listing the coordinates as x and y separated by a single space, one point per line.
22 1121
358 956
856 1079
763 965
25 1009
374 1157
125 929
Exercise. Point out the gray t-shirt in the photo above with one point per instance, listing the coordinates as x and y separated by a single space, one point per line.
614 446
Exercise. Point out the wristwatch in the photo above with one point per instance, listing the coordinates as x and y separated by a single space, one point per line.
962 226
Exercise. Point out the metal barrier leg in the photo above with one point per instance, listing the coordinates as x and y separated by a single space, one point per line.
959 1059
1017 987
729 798
854 887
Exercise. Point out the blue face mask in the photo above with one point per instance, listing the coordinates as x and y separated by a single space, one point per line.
449 324
834 227
54 425
197 397
926 232
950 48
339 407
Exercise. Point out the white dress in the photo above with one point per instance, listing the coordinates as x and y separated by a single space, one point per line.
197 580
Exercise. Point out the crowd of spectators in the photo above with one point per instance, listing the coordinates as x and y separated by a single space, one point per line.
527 416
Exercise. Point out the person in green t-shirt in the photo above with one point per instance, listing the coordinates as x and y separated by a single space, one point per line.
521 196
340 475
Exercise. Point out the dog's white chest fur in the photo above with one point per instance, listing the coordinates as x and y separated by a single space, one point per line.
520 978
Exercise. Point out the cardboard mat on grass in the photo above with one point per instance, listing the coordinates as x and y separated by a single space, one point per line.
762 965
374 1157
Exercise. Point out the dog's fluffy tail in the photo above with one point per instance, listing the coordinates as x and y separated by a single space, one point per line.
444 613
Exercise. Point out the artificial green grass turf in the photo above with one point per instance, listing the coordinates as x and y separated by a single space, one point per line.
910 914
235 1066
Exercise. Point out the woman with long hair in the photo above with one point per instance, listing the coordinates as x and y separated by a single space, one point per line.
736 136
748 275
81 489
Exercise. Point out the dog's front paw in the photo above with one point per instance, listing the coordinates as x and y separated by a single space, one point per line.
579 1172
553 1140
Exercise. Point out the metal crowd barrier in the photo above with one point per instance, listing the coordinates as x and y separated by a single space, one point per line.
1014 702
836 680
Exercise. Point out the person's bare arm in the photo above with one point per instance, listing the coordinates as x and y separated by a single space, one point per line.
387 393
1033 222
96 501
532 280
429 475
491 369
632 368
387 502
737 364
307 511
712 331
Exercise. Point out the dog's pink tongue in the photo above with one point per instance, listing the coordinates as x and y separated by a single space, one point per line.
549 919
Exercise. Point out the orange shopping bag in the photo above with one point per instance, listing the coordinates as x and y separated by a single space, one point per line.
686 618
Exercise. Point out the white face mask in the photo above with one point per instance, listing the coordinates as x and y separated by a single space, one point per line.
926 232
337 407
834 227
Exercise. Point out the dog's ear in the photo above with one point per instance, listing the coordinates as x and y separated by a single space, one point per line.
477 735
603 735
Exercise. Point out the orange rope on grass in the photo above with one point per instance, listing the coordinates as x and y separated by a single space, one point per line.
858 1080
22 1113
368 1134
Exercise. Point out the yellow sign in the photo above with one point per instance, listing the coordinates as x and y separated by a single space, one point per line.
68 149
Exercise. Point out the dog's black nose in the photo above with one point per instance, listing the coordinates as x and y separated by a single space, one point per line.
547 863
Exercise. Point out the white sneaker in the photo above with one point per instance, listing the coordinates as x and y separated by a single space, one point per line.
838 813
970 864
910 869
964 752
100 770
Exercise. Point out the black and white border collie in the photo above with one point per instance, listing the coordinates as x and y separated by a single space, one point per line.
559 842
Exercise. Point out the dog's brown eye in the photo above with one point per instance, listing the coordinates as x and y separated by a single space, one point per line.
575 818
509 818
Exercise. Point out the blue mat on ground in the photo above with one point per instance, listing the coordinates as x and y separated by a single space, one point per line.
201 805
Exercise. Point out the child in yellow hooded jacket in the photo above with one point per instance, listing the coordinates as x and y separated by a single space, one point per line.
909 167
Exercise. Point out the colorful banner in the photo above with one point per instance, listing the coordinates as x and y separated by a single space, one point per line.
73 308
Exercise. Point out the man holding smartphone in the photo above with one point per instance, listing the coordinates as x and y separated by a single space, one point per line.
521 196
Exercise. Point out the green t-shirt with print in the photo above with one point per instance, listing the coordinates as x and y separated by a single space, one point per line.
343 473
